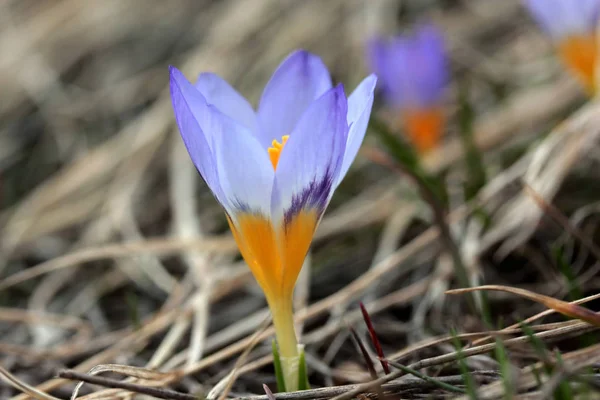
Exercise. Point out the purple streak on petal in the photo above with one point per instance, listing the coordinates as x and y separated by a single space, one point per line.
360 104
195 119
311 159
314 196
561 18
413 69
298 81
226 99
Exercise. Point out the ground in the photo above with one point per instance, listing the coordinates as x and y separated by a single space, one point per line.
116 261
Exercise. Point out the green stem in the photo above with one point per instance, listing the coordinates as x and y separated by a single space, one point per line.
283 320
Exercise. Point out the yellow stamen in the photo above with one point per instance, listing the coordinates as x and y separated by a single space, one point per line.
424 127
578 52
275 150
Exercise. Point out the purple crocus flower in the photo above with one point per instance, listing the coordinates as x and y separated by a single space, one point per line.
274 171
413 75
564 18
571 24
412 69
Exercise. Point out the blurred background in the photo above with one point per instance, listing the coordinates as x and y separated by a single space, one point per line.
113 250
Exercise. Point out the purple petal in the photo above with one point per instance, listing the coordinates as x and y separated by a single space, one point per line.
562 18
413 70
245 171
195 120
378 56
226 99
298 81
360 104
311 159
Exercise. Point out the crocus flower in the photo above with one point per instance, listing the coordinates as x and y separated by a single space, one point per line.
274 171
413 74
571 24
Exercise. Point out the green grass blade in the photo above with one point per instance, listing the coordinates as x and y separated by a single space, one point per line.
302 372
566 270
464 369
477 176
443 385
505 369
278 369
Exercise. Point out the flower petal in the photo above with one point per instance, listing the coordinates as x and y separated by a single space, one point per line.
259 245
244 169
431 69
360 104
562 18
412 69
219 93
298 81
378 56
311 159
195 119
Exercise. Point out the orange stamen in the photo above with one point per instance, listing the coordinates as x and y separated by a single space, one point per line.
579 55
424 127
275 150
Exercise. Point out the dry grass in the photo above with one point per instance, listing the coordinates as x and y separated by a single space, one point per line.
114 258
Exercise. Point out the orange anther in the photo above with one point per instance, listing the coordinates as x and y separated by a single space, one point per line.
275 150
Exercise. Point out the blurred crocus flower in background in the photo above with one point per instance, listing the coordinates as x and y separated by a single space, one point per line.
274 171
413 74
571 24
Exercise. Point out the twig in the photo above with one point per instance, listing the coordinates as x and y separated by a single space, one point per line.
132 387
232 376
374 338
429 379
392 387
439 214
368 361
268 392
24 387
364 352
446 358
563 221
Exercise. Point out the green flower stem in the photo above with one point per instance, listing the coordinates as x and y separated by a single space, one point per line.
283 320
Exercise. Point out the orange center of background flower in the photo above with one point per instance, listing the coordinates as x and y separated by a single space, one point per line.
424 127
579 55
275 150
